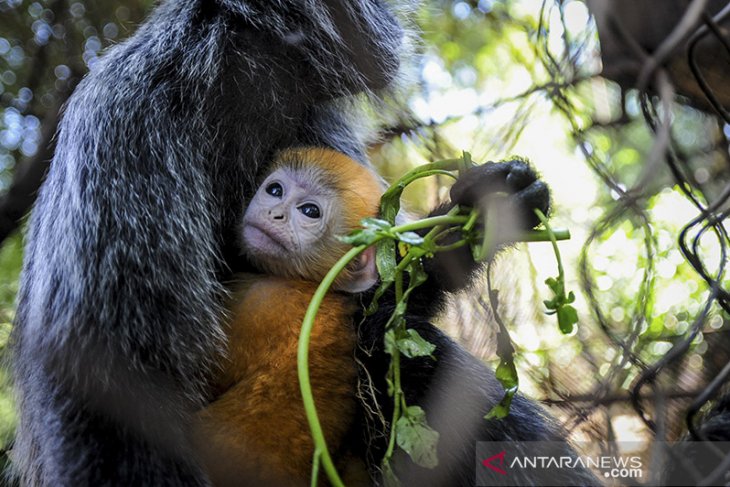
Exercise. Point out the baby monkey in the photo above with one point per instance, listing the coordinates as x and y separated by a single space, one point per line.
256 429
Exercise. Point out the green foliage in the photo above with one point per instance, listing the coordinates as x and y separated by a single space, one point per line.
560 304
506 374
373 229
412 344
11 254
416 437
11 261
411 431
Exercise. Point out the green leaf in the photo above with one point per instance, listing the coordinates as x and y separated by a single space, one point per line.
382 288
416 437
554 285
389 380
416 274
560 303
373 229
359 237
385 260
376 223
411 238
390 202
414 345
399 313
567 318
389 341
506 373
501 410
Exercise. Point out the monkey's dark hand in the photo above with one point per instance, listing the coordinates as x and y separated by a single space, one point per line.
516 179
508 192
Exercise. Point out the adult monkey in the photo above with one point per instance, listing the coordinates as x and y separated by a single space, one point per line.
133 230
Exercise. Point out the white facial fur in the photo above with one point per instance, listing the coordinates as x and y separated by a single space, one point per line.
291 218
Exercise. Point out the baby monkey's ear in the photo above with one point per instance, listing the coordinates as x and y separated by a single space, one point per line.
361 275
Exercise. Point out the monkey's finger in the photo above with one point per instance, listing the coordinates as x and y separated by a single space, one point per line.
535 196
520 175
478 182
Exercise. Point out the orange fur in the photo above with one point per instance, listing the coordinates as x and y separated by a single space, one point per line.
257 428
355 183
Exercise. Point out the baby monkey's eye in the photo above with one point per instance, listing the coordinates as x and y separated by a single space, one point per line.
310 210
275 189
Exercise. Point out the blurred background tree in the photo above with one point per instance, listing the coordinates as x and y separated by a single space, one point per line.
46 47
632 140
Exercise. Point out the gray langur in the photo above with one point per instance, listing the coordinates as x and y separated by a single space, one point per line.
133 232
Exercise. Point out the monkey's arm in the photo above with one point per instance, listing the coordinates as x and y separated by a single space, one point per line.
523 192
456 390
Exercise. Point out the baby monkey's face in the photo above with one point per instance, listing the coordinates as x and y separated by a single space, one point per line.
292 219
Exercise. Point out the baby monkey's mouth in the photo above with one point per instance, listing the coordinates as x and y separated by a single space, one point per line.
260 239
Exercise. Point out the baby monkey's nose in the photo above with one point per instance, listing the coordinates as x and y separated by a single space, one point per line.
276 214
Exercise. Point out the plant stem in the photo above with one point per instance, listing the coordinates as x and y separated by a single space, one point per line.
449 219
320 444
441 167
431 222
545 235
395 367
453 246
552 235
315 467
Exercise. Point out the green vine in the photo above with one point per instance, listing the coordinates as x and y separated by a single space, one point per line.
411 431
561 304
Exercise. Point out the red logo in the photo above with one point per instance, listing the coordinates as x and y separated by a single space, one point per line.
499 456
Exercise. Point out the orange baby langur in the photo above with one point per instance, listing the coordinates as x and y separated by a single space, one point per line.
256 430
